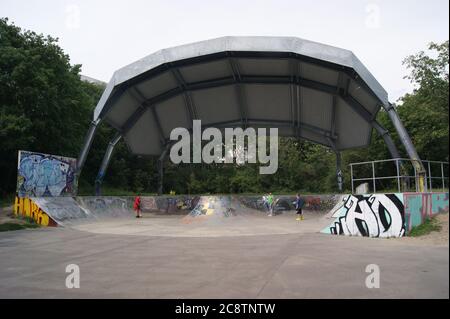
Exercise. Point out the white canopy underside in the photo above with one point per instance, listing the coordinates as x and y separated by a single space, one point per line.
308 90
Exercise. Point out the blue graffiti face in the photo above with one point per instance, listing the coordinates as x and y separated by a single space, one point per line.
44 175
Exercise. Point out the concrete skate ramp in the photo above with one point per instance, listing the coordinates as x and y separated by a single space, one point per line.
217 216
66 211
340 201
235 206
227 211
217 207
176 226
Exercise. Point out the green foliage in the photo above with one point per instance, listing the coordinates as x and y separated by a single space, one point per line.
428 226
26 222
425 111
11 226
45 107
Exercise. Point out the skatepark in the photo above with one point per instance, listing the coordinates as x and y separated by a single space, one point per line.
249 255
233 245
174 252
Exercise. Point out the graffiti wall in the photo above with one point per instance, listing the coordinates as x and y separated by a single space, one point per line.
184 203
26 207
43 175
420 206
180 204
377 215
225 206
385 215
285 202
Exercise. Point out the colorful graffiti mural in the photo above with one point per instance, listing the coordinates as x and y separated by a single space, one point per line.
377 215
385 215
26 207
43 175
168 204
420 206
225 206
285 202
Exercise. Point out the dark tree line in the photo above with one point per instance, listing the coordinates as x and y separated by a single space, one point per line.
46 107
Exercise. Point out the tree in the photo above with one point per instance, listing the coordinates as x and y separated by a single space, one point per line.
43 103
425 111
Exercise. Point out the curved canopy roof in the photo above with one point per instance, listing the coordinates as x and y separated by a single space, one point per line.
306 89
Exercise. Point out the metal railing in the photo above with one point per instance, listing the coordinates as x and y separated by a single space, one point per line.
401 174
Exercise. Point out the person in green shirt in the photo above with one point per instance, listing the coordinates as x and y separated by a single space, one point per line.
270 202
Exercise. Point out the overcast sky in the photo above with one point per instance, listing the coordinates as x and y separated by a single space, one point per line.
106 35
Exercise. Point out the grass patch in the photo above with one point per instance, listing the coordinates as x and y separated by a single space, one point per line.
23 223
14 226
430 225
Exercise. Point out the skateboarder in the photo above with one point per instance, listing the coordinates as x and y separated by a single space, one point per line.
137 206
270 203
299 203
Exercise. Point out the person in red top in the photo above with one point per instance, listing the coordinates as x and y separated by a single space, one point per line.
137 206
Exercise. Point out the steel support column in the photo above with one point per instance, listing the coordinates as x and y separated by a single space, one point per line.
161 168
409 147
89 138
387 139
339 175
105 163
392 150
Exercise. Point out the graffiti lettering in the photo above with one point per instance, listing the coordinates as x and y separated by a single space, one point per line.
45 175
378 215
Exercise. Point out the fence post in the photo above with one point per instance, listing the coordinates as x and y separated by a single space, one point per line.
398 176
443 179
373 177
416 184
351 174
429 178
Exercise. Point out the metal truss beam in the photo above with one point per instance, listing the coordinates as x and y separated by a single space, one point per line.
137 95
188 101
298 82
240 91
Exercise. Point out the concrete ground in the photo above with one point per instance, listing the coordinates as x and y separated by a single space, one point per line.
248 257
